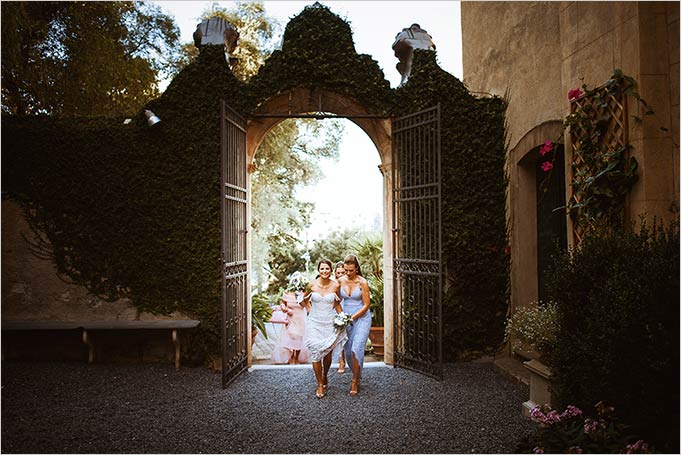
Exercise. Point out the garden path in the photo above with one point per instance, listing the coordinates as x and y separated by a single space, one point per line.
149 408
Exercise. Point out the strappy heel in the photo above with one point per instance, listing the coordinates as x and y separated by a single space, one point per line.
320 391
325 384
354 387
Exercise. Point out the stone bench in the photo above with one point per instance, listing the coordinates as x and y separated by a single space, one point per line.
88 327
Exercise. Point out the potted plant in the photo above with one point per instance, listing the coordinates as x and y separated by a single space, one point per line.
536 327
261 312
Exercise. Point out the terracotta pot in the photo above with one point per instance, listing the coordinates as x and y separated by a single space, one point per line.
377 340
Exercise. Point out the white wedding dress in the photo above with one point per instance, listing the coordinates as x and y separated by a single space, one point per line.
321 336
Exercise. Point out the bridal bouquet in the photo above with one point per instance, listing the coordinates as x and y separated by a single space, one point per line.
342 320
298 284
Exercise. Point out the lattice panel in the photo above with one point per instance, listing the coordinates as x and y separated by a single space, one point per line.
607 101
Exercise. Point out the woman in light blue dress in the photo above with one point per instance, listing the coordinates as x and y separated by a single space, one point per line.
354 290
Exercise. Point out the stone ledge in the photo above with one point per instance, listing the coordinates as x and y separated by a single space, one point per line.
512 369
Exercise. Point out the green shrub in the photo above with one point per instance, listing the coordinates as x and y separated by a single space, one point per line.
618 300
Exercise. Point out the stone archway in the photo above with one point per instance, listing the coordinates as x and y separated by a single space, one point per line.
303 101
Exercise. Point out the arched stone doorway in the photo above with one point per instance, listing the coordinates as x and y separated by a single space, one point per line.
522 199
320 103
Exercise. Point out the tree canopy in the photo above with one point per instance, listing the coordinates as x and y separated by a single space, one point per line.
84 58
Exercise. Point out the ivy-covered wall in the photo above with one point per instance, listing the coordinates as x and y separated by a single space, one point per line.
134 211
473 188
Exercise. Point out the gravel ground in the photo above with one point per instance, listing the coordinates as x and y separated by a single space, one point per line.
147 408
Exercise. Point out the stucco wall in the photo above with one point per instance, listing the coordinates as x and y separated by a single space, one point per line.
513 49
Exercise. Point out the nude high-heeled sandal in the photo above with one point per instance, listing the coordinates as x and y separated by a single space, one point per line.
354 387
320 391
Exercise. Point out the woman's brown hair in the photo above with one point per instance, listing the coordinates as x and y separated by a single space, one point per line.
352 259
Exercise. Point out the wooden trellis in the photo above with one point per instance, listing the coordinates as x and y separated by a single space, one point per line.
610 102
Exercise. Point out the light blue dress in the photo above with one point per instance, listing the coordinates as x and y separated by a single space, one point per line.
358 331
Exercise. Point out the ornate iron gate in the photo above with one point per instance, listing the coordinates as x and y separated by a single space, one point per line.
417 263
235 333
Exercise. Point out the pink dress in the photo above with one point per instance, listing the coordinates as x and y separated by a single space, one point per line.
291 338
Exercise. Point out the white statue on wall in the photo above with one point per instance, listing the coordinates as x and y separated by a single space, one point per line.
216 31
406 41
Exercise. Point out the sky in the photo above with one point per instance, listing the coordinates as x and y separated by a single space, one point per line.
374 25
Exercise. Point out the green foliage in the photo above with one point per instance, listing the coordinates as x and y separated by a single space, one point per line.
600 185
369 251
376 296
153 232
618 303
286 257
255 35
334 246
473 206
318 52
84 58
261 312
286 160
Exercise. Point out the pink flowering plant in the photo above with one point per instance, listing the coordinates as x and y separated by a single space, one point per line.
571 431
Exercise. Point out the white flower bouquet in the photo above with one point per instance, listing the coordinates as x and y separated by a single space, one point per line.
299 285
342 320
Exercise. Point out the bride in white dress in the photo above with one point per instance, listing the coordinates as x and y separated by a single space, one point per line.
322 338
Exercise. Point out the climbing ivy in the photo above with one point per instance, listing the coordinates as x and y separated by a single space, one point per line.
132 211
473 190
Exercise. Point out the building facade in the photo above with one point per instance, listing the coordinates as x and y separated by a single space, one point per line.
534 53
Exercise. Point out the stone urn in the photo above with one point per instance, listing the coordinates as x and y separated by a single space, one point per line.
540 385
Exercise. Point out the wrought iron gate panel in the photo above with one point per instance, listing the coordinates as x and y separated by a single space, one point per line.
235 333
417 263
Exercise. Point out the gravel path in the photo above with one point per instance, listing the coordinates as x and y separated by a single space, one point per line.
76 408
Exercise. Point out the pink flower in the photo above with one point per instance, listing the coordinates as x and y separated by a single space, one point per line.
546 148
546 166
552 417
639 446
590 425
571 411
575 93
538 450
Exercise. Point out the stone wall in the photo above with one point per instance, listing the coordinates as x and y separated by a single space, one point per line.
33 290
